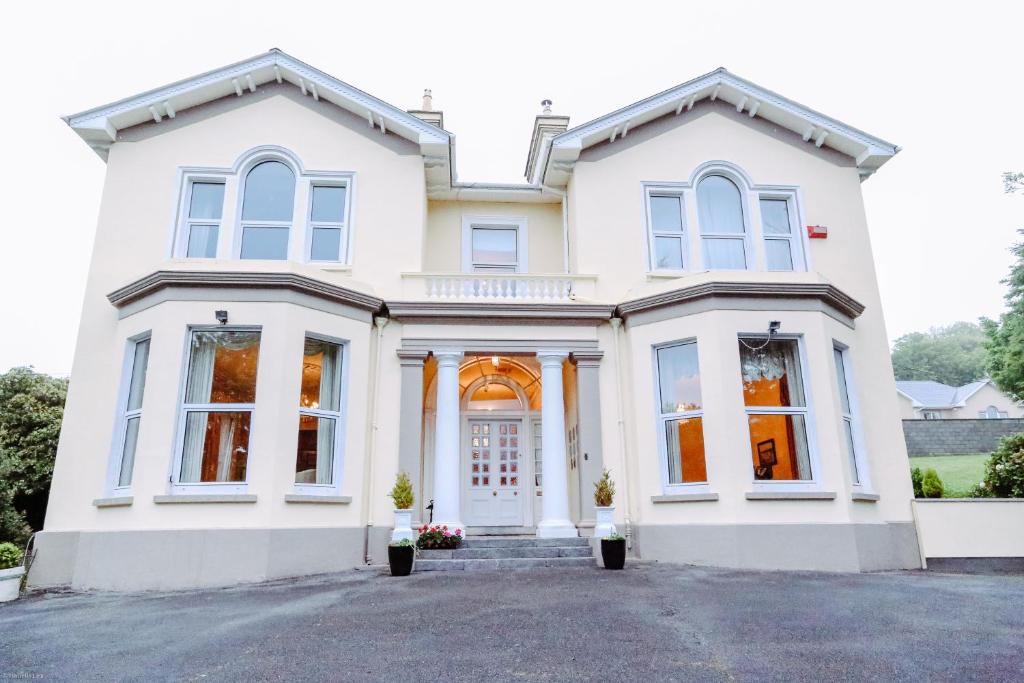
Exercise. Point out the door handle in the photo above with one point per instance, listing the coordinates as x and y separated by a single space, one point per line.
494 493
515 493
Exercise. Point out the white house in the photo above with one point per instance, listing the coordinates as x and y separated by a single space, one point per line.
292 298
929 400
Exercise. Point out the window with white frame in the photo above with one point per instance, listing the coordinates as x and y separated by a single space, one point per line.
782 240
320 417
681 414
723 226
202 218
494 245
851 426
220 397
931 415
777 408
666 224
538 456
992 413
328 224
268 205
127 438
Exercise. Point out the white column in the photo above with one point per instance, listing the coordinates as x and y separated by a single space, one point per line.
446 441
554 521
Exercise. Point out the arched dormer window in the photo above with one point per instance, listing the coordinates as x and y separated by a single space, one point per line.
268 209
723 227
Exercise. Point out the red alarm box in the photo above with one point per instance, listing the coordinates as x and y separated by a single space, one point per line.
817 232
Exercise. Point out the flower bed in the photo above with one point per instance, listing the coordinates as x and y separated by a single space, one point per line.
438 537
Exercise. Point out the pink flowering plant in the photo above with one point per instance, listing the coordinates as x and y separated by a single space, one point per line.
438 537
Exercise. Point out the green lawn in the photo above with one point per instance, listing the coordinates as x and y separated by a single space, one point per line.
959 473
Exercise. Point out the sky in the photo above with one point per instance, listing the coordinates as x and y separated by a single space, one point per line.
943 81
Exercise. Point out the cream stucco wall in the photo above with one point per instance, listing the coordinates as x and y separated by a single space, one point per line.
396 230
987 396
444 246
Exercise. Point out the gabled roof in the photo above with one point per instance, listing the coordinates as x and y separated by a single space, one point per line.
815 128
99 126
929 394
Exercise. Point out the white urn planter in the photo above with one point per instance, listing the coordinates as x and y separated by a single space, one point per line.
403 526
604 526
10 583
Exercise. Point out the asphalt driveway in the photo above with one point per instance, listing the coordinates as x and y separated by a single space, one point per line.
650 622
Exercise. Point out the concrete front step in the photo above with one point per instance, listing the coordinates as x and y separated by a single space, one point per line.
490 553
508 564
500 531
521 542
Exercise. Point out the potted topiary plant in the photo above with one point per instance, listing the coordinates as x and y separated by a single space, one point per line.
401 494
11 571
613 551
400 557
604 494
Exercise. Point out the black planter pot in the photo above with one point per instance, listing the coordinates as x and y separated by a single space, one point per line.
400 558
613 552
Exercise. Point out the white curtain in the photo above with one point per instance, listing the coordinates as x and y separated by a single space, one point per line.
675 474
329 375
197 390
228 425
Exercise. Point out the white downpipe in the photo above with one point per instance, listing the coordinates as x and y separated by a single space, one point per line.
371 440
616 323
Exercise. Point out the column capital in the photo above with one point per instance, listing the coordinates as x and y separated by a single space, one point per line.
588 359
447 357
411 358
552 358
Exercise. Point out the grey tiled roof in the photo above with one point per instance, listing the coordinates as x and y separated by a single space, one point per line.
936 394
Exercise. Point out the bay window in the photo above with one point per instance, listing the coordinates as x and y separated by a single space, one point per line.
681 414
216 415
777 408
320 417
851 435
268 205
131 413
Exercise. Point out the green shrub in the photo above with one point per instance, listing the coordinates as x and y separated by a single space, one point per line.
931 484
915 478
604 490
10 556
1004 472
401 493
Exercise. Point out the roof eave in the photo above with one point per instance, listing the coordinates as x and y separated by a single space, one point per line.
868 151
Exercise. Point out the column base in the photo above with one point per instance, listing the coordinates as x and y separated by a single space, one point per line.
557 529
452 526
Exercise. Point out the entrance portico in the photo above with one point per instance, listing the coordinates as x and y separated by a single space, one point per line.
492 448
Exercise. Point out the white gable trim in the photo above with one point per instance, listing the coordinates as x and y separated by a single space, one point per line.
815 128
99 126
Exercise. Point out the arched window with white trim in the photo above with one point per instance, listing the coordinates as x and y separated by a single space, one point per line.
268 209
723 227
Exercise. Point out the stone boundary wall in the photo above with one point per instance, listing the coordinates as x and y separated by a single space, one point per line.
953 437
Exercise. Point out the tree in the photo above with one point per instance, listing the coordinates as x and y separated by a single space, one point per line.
953 355
1005 343
31 410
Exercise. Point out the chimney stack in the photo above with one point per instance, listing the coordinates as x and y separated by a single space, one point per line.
427 113
545 127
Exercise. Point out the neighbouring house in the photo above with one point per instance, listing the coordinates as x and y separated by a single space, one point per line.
981 400
292 298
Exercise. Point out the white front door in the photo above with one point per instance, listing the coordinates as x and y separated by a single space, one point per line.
494 472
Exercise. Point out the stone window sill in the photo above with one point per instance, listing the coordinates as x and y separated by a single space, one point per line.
864 496
684 498
791 495
316 499
113 501
182 498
